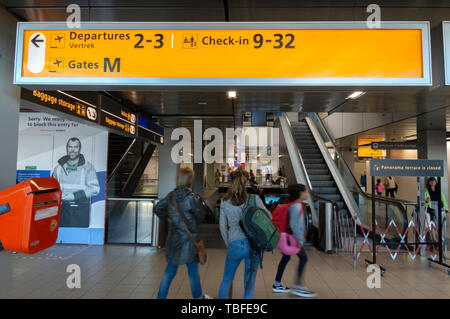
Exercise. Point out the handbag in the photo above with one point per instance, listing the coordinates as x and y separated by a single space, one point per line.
199 244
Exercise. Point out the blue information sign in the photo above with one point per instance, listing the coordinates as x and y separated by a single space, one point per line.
414 168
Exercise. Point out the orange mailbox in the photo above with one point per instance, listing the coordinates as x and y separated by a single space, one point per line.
29 215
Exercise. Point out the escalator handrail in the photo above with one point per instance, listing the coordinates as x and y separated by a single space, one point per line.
300 156
120 162
297 161
364 194
323 199
311 191
331 140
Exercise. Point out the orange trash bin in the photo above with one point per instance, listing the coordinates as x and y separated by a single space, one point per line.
29 215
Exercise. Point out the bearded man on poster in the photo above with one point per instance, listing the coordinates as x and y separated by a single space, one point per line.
79 183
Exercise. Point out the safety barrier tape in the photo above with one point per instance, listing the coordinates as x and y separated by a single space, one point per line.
394 253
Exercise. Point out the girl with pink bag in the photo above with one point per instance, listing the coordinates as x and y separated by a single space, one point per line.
292 237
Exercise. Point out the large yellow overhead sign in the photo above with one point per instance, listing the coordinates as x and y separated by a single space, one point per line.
287 55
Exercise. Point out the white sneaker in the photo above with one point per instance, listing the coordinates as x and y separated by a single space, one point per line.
302 291
280 288
207 297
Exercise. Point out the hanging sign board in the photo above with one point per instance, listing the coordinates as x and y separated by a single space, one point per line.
62 102
408 145
414 168
250 54
116 116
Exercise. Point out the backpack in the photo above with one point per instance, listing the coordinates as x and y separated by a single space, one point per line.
262 234
280 216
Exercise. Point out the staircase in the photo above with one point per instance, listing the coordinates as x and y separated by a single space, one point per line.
321 179
117 146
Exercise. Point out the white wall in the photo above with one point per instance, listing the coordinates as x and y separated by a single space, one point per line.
344 124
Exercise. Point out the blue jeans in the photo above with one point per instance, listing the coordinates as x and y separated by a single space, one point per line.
171 271
239 250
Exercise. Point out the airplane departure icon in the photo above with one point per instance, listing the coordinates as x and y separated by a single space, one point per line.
56 65
57 40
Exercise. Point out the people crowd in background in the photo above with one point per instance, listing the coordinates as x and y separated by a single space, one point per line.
184 210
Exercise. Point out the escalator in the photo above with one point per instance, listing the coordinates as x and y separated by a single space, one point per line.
310 148
123 178
129 218
119 151
320 176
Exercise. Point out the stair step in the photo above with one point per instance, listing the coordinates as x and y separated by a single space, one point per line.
305 142
320 171
335 197
315 166
320 178
322 184
309 150
313 161
312 156
309 146
326 190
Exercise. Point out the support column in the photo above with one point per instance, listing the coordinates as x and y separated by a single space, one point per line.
199 180
432 141
9 128
167 172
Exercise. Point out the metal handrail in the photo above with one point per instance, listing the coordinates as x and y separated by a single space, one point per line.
121 160
313 194
297 161
323 199
397 202
331 140
300 156
338 178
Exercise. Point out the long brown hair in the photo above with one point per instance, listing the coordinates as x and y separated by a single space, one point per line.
185 177
237 192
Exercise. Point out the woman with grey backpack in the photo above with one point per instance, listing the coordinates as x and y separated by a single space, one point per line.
238 246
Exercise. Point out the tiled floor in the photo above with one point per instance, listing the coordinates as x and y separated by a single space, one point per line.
134 272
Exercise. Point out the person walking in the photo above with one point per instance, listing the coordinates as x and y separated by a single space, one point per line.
379 187
434 194
180 250
238 246
363 180
391 186
217 176
433 197
297 225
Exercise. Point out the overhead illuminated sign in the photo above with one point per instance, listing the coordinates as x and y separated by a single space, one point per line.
107 112
389 167
365 149
407 145
116 116
62 102
244 54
